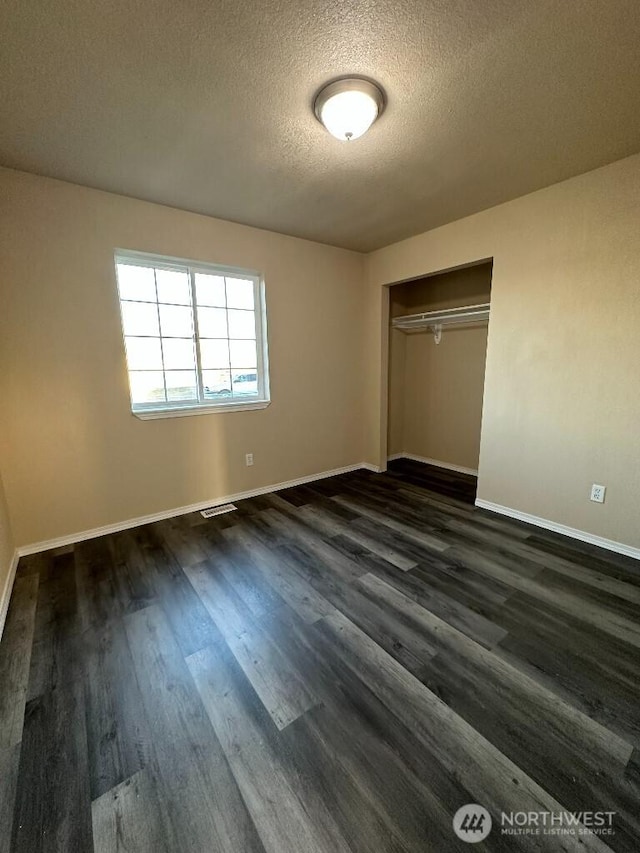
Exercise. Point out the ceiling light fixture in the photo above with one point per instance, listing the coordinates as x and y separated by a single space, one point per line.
349 106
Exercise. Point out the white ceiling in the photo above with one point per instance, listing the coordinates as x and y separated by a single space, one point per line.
206 104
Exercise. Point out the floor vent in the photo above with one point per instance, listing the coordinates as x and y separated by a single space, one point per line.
217 510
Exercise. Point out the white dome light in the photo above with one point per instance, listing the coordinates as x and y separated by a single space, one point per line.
348 107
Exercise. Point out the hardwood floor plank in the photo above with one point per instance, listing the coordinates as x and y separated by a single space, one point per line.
190 622
412 533
518 550
411 549
129 818
595 672
56 654
199 796
281 687
467 620
134 578
35 564
470 680
53 801
296 496
488 774
352 765
322 574
97 600
461 487
366 653
291 587
320 500
288 819
539 739
617 601
245 577
616 565
365 497
228 611
334 681
439 523
118 733
474 590
15 659
332 526
419 488
606 619
490 668
186 549
437 507
394 634
9 766
308 541
632 772
248 508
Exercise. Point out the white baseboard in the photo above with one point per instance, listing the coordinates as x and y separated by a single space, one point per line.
369 467
572 532
448 465
6 592
82 535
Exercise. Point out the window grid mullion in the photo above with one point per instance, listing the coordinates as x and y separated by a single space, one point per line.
226 317
164 375
196 334
257 324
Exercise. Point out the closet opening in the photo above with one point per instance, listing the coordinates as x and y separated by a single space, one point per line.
437 354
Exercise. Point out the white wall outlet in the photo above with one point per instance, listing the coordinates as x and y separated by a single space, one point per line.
248 459
597 493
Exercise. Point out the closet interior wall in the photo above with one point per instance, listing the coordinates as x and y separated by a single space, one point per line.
435 390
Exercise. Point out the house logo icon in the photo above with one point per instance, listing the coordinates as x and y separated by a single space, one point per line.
472 823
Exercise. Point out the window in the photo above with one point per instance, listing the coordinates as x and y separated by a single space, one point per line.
194 335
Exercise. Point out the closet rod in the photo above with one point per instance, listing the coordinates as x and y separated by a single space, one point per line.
435 320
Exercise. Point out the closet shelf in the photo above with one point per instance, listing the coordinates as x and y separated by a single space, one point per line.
435 320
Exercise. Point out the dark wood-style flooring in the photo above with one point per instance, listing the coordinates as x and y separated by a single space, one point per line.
335 667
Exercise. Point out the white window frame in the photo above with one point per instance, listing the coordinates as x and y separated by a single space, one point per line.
201 406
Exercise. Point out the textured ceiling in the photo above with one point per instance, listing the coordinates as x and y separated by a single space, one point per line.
206 104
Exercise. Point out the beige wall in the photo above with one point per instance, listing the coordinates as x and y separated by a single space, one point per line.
74 456
7 548
442 396
435 391
397 373
562 393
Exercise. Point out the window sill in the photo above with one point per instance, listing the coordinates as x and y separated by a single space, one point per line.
186 411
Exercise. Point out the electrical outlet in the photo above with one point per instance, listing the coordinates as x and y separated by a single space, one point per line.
248 459
597 493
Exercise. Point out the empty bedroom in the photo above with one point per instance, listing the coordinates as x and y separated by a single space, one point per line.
319 426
